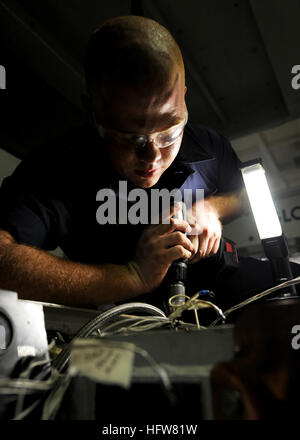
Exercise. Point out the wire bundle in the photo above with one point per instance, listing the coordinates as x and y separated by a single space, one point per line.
117 320
292 282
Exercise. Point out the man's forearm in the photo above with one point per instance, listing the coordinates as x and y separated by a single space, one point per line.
228 206
37 275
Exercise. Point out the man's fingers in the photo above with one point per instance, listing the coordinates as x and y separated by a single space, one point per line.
173 225
212 248
177 238
205 246
203 243
212 245
175 252
215 246
166 214
195 242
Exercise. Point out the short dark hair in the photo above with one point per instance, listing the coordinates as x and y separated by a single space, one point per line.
132 51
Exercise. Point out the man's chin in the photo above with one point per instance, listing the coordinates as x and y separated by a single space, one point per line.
145 182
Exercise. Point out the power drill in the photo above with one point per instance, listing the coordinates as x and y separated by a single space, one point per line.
177 272
224 262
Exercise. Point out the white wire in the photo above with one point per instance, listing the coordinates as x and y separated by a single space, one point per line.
129 318
292 282
21 415
140 325
25 374
144 327
135 319
193 303
112 326
23 386
146 322
129 329
160 371
53 401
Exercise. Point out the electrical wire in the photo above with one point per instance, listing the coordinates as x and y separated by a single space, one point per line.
54 399
143 322
161 372
57 387
105 317
26 374
17 386
157 368
138 329
58 383
193 303
139 324
292 282
21 415
25 385
135 320
52 403
100 322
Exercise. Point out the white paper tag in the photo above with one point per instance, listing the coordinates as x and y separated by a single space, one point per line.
104 361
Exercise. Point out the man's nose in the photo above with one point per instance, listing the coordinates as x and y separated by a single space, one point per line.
150 152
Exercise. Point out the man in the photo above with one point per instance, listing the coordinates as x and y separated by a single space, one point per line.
136 102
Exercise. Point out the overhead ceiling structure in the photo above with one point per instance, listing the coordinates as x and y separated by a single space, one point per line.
238 55
279 149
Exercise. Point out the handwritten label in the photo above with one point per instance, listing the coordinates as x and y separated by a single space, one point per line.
108 362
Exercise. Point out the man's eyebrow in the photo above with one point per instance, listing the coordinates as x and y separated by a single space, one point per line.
170 120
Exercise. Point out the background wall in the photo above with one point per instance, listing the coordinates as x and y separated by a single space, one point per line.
8 163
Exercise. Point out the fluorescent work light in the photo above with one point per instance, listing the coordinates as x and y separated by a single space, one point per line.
261 201
268 224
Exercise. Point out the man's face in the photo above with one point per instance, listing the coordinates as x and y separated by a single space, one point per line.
123 110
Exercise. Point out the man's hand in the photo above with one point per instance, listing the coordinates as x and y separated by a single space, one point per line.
158 246
206 222
206 230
